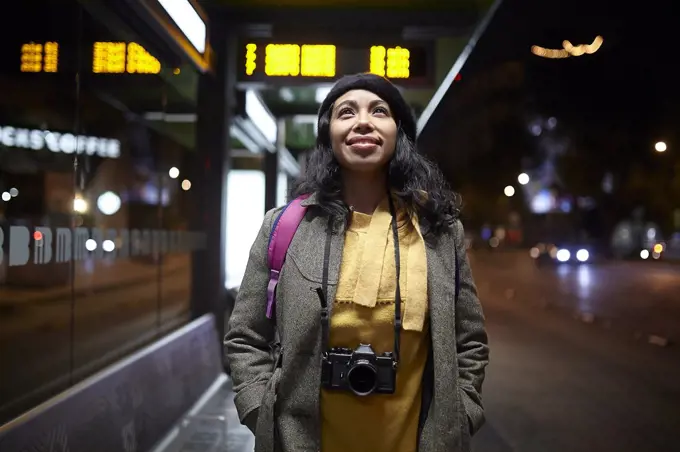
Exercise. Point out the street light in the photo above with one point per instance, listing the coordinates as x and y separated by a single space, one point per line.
80 205
173 173
509 191
660 146
523 179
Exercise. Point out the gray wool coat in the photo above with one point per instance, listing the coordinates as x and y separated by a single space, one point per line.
277 392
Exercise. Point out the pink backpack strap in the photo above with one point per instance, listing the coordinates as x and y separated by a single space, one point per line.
281 236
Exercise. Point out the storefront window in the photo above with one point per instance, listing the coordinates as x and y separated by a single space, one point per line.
96 141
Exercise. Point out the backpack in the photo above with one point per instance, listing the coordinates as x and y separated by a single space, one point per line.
280 237
282 233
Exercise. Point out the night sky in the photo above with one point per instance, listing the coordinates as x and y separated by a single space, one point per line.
611 107
631 82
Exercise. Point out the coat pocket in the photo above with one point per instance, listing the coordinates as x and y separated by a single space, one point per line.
463 424
265 433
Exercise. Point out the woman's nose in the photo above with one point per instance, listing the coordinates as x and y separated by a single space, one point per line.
363 123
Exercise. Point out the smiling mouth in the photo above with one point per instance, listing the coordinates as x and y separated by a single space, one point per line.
363 141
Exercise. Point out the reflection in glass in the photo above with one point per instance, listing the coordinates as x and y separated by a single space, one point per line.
95 246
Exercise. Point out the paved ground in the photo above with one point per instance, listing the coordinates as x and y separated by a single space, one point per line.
638 298
560 385
555 383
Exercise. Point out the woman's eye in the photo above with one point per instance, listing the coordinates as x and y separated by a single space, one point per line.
345 111
381 110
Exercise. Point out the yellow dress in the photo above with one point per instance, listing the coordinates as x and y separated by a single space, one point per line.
364 313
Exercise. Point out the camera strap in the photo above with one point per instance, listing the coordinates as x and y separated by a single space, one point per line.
397 292
323 291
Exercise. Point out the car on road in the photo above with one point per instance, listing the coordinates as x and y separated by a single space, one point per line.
548 253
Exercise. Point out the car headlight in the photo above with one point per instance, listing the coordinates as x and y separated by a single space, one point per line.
582 255
563 255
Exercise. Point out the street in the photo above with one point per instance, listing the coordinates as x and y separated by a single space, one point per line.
556 383
640 298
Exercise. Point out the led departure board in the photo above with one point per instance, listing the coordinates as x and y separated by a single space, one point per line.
294 60
121 57
390 63
307 63
107 58
37 57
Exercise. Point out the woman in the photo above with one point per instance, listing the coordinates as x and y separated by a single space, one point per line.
400 365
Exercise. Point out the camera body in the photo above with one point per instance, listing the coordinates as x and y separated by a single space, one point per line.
360 371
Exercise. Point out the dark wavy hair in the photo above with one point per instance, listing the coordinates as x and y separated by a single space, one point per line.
418 184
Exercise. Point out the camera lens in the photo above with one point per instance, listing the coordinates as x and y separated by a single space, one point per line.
362 377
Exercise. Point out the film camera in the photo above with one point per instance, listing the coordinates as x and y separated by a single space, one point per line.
360 371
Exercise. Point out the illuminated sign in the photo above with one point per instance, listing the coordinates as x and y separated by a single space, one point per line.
47 244
36 57
65 143
390 63
271 61
121 57
293 60
282 59
139 61
377 64
317 61
251 56
107 58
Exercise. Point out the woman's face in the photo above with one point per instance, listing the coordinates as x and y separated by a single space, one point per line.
363 131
